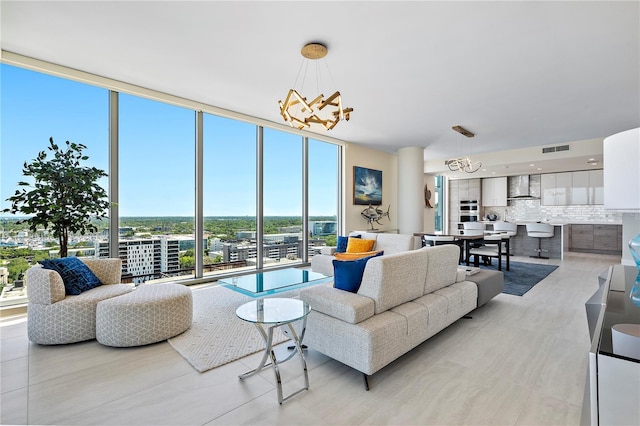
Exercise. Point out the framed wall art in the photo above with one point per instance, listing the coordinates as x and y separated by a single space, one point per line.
367 186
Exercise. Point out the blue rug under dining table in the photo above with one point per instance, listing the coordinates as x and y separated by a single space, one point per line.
521 276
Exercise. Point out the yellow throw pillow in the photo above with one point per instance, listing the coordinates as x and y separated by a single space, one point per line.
358 245
354 256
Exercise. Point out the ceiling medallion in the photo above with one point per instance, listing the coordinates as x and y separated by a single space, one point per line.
300 113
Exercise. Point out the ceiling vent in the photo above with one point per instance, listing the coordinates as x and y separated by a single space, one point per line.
555 149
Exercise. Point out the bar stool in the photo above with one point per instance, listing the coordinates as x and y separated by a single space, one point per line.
540 231
474 228
508 228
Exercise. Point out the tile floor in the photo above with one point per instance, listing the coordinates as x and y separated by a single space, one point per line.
519 361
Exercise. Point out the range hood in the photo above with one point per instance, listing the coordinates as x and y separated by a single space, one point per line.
519 188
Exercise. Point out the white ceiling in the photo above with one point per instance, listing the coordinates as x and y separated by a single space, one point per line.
517 74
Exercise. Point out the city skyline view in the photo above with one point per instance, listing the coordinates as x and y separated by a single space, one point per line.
157 149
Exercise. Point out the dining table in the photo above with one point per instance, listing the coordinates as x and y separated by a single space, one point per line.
465 242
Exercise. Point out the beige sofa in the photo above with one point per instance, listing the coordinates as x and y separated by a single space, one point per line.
404 299
389 243
54 318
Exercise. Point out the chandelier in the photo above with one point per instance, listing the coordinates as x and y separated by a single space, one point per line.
300 113
463 164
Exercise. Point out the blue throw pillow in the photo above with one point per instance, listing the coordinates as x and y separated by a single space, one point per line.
342 244
77 276
341 247
347 274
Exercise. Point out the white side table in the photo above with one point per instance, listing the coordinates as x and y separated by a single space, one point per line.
270 314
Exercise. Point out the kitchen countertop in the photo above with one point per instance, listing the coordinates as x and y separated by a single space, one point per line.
565 222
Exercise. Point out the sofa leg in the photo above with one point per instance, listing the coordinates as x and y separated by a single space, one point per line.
366 381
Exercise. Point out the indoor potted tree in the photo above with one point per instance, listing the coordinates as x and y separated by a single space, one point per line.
64 194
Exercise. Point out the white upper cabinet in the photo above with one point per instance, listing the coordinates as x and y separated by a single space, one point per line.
548 189
555 189
580 188
572 188
596 187
494 192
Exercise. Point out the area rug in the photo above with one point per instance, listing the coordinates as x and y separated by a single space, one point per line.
217 336
521 276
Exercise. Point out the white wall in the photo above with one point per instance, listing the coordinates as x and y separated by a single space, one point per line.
410 189
356 155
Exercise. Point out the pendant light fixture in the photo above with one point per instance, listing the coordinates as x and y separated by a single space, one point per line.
463 164
301 113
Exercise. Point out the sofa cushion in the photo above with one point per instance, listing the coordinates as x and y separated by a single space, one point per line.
343 305
394 279
442 266
358 245
347 274
395 243
354 256
76 276
341 247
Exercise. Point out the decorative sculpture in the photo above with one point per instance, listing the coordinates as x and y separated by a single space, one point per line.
373 214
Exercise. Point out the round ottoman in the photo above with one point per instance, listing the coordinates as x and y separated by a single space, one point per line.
151 313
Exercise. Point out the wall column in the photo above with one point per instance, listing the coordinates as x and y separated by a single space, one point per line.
410 190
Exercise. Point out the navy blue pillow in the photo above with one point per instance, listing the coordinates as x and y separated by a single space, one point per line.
347 274
77 276
342 243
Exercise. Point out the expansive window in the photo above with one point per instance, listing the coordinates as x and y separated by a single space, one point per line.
438 204
229 194
264 192
282 199
323 194
156 200
36 107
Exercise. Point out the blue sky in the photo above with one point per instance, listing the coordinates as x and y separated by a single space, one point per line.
157 150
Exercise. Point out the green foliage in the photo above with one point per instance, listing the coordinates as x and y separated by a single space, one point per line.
16 267
83 244
64 195
332 240
10 253
187 262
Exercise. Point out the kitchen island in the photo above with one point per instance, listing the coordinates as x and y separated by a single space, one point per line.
523 245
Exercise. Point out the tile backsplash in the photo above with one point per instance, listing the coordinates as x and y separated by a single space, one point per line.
531 210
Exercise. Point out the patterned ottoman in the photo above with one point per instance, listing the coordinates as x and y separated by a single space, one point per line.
151 313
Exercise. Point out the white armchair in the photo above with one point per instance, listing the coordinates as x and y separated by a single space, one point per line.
54 318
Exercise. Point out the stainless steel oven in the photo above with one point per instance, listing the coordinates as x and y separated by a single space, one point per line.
468 210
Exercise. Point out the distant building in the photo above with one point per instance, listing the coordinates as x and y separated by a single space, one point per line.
145 257
319 228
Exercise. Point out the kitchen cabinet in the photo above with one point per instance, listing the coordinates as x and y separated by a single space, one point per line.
587 187
572 188
588 238
581 237
494 191
461 189
596 186
555 189
580 187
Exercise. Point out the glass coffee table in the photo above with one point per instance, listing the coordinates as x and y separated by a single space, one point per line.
270 314
261 284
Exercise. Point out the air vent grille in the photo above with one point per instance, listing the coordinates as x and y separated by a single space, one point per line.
555 149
